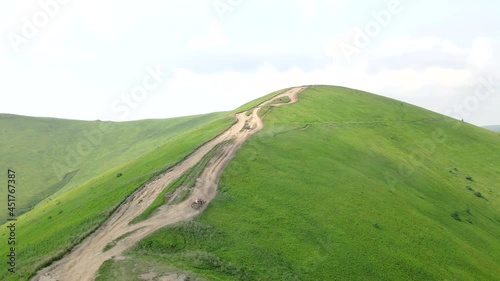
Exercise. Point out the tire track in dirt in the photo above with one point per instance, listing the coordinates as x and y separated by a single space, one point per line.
83 262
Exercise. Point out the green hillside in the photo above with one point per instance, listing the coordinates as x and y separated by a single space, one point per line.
51 155
59 223
343 185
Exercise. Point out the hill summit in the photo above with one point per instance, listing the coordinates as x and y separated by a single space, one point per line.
336 184
346 185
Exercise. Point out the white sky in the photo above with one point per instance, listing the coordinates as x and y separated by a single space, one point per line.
90 56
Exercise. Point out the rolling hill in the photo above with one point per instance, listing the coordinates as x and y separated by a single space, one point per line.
55 155
57 224
341 185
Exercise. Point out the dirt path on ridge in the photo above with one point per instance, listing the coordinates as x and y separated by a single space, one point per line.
84 260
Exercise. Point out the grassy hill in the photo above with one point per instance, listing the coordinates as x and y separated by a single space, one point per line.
57 224
52 155
493 128
343 185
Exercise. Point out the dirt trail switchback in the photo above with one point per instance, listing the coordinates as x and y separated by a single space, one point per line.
84 260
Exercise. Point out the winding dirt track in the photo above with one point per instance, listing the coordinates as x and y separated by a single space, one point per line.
85 259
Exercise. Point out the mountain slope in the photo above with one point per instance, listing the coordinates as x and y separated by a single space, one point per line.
52 155
343 185
57 224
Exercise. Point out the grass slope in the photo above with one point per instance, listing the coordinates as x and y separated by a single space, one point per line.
258 101
344 185
56 225
186 181
52 155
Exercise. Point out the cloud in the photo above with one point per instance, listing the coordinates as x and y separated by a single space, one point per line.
403 67
433 85
394 47
482 53
309 8
436 87
97 18
98 46
214 37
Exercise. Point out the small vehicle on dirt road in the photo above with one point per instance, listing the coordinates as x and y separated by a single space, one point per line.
197 203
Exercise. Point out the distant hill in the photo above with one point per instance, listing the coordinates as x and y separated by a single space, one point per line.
495 128
51 155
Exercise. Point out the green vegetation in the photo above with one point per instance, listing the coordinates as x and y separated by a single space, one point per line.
267 108
344 185
281 100
114 242
158 202
54 155
133 270
264 110
189 243
187 180
59 223
258 101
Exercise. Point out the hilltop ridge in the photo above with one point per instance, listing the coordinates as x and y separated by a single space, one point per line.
344 185
340 184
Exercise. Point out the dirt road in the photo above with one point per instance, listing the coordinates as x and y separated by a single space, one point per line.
85 259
